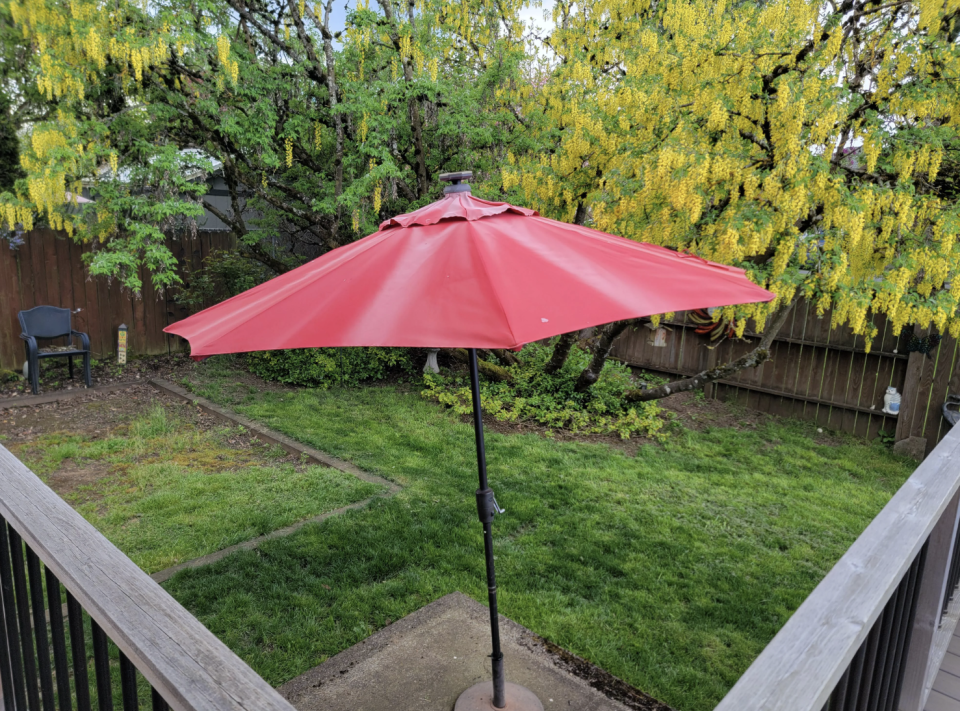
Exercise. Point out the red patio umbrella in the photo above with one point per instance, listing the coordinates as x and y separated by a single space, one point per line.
467 273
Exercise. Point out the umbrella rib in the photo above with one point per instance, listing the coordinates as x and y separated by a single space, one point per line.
486 274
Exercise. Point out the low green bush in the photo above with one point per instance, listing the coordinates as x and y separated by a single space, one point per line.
323 367
552 400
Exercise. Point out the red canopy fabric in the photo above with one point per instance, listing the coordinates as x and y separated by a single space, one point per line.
467 273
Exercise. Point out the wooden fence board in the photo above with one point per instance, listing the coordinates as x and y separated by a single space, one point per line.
48 269
820 373
11 347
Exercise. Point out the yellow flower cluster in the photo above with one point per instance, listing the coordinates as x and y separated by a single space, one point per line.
363 129
230 67
712 137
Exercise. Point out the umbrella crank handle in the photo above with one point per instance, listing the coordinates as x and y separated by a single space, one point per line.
487 506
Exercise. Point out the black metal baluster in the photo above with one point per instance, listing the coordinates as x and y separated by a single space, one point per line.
856 677
910 618
6 678
869 663
40 630
900 614
10 616
101 665
905 593
59 641
78 649
839 696
23 614
128 684
885 623
158 703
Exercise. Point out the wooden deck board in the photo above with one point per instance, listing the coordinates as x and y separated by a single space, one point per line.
951 663
940 702
946 687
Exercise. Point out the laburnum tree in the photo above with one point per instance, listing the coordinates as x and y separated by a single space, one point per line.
318 135
811 142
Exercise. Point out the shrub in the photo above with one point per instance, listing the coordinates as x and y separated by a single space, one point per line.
552 400
323 367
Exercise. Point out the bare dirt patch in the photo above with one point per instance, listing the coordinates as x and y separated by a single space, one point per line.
697 412
55 377
99 416
74 477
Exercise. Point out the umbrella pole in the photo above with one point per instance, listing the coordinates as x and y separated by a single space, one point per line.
486 508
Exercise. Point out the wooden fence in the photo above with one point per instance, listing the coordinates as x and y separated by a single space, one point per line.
816 373
48 269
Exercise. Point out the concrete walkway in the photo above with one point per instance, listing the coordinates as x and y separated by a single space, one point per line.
425 661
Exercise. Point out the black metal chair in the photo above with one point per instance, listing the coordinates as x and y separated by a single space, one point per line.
51 322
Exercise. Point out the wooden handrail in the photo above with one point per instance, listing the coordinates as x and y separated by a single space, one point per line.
801 666
185 662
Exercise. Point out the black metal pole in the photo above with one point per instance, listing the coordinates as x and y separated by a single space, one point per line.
486 507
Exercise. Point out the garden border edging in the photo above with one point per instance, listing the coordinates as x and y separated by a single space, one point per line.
287 443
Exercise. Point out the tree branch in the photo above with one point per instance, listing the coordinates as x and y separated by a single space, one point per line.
757 356
608 334
492 371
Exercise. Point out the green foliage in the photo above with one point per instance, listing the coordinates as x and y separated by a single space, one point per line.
224 274
886 438
552 400
319 135
323 367
9 147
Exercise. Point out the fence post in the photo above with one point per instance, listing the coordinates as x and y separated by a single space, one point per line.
923 656
908 397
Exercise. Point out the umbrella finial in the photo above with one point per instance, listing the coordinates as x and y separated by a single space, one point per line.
454 180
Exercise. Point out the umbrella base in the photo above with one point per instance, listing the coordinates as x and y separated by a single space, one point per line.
479 697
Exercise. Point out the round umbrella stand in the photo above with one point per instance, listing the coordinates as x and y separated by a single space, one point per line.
479 697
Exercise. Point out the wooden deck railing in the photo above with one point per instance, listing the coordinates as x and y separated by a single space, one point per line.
872 635
49 553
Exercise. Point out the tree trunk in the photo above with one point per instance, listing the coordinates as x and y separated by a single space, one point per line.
561 349
491 370
505 356
608 334
757 356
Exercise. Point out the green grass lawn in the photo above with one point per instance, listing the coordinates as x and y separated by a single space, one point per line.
166 491
672 569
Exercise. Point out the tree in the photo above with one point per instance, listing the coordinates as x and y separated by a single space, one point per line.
18 96
317 135
9 147
805 141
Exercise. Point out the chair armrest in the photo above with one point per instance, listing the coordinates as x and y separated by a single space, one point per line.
84 339
31 344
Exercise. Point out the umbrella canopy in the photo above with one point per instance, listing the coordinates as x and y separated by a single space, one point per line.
467 273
